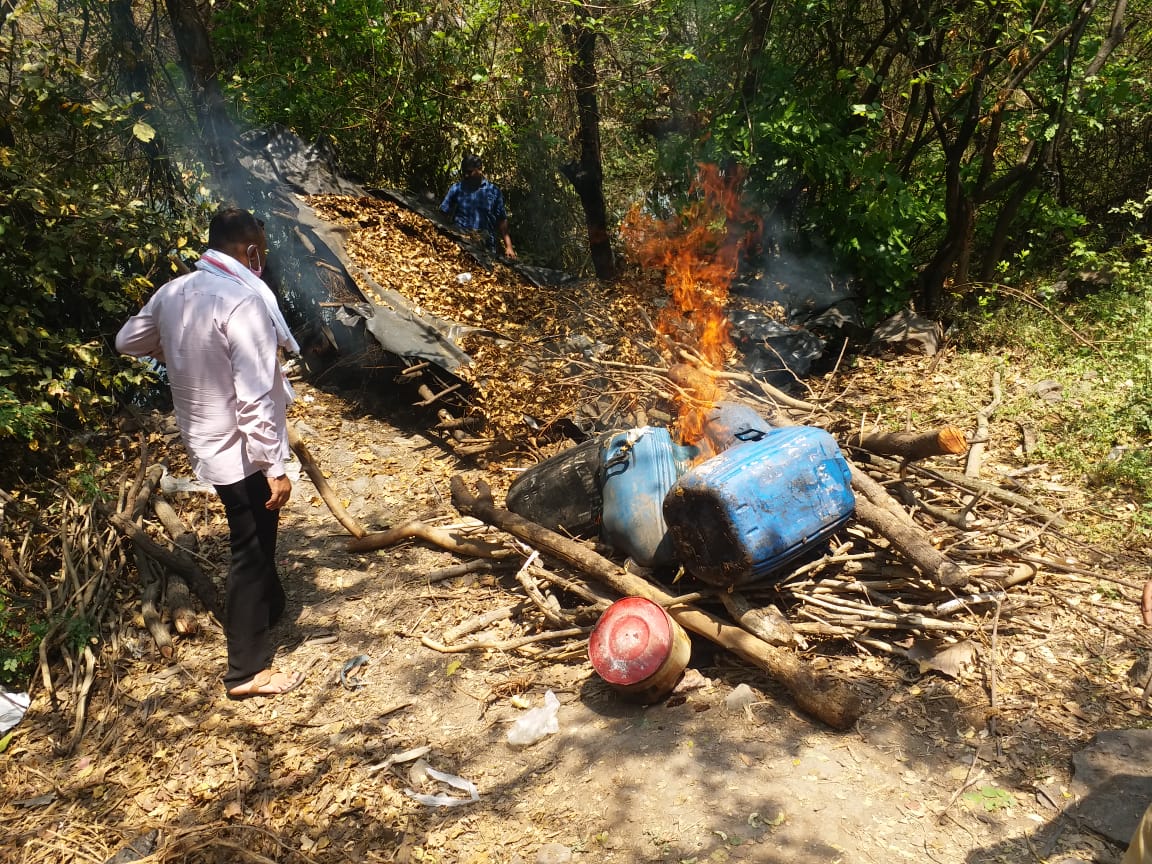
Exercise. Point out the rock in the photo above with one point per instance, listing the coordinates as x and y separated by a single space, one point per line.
553 853
1049 390
1113 782
914 333
140 847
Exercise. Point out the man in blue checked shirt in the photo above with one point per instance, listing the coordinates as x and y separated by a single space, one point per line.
474 204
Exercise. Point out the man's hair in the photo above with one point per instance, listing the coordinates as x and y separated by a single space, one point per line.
233 225
471 162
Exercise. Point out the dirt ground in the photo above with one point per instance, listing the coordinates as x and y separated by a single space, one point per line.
313 776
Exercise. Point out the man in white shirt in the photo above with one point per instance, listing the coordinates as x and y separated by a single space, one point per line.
218 332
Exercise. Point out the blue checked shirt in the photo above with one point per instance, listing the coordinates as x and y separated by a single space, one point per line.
481 209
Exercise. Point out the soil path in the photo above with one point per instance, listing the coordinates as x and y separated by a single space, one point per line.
691 780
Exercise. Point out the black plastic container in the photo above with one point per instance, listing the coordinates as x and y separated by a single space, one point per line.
563 492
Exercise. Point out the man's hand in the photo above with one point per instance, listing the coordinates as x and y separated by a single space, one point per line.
1146 604
281 490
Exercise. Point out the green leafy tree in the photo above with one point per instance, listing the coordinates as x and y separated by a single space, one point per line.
929 141
84 231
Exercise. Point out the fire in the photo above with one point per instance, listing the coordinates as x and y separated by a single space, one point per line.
698 252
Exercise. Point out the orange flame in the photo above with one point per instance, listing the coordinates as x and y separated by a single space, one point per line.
698 252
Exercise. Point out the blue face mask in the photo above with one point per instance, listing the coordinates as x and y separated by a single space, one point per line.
254 256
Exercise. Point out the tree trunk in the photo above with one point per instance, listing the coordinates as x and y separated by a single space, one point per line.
760 18
7 138
136 77
587 175
195 47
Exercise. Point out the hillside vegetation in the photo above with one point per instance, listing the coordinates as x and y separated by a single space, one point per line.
985 163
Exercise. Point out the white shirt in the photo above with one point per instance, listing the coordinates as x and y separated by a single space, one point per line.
218 342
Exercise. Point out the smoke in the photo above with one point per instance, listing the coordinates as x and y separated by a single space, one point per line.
819 303
793 271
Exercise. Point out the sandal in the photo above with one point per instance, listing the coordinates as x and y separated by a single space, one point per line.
267 683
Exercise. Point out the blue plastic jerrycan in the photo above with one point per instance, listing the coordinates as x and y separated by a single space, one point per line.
744 514
729 424
639 467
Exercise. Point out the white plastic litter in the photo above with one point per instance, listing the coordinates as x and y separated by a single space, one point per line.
463 278
399 758
13 707
739 699
537 723
170 484
444 799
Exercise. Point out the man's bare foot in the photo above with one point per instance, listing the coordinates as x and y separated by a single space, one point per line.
267 683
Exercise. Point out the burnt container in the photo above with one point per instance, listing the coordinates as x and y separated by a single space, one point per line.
639 650
743 515
639 467
729 424
563 492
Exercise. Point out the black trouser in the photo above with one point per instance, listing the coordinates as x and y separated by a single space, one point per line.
255 596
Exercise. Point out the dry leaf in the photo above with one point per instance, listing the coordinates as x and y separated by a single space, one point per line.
1077 711
952 660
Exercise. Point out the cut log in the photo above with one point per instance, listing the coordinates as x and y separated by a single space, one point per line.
178 600
913 446
327 494
176 595
827 700
767 622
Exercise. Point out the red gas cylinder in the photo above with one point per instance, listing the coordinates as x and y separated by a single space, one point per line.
638 649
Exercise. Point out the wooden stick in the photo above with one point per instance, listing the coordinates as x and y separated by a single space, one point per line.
528 583
327 495
750 381
912 543
507 644
435 397
479 622
870 616
149 605
993 696
996 597
976 454
957 519
415 529
479 565
442 414
148 485
974 484
827 700
81 703
581 591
